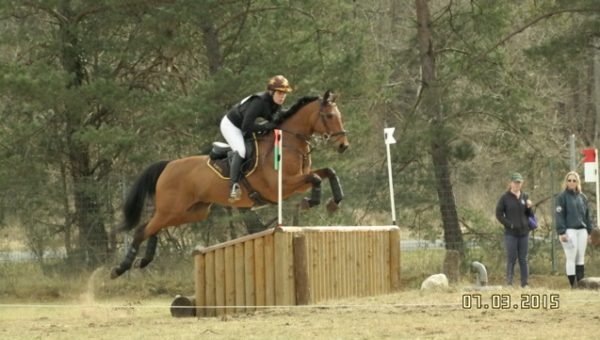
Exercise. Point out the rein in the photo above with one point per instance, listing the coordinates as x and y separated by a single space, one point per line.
301 137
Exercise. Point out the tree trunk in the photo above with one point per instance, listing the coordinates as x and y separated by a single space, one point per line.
213 50
93 239
432 108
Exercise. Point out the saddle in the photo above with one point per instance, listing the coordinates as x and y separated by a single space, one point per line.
218 162
219 158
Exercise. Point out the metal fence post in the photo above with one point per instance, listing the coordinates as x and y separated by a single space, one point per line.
553 228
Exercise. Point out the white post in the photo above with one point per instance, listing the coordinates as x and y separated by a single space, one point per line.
280 180
597 189
388 134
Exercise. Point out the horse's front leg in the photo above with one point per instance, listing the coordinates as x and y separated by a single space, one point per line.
336 187
314 181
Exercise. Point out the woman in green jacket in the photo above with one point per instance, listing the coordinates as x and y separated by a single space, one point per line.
573 226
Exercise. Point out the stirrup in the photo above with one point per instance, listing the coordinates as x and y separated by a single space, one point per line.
236 193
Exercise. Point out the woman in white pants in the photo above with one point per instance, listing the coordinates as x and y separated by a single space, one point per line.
241 121
573 225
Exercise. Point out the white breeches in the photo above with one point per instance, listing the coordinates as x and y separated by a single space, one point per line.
574 249
233 136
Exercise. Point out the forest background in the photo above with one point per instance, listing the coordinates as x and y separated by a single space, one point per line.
94 91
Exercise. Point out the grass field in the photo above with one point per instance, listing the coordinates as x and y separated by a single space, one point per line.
403 315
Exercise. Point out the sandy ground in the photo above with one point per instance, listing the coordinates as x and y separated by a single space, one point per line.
453 314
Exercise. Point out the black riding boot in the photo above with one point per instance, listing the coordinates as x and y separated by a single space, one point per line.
572 281
235 166
579 271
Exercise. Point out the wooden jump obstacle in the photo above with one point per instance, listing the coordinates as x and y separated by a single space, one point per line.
296 266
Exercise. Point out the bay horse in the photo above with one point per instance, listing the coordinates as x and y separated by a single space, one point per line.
184 189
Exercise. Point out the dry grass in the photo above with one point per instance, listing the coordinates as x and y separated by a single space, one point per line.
407 315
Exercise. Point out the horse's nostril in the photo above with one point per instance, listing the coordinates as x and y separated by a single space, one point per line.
343 147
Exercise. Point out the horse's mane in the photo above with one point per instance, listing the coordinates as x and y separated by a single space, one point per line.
299 104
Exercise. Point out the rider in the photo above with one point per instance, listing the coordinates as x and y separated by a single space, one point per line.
240 122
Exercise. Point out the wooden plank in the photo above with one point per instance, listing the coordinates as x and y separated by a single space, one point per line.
229 279
210 284
220 280
269 270
362 259
385 262
353 273
200 284
233 242
262 234
394 259
321 261
281 268
249 274
259 271
291 297
326 263
333 266
309 265
370 264
348 265
337 280
379 263
347 271
301 279
240 285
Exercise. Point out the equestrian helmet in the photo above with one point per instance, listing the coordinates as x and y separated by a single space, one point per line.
279 83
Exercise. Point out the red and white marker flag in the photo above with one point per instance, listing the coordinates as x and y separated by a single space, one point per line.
277 162
590 171
590 165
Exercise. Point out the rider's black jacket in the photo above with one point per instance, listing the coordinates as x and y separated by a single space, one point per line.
244 114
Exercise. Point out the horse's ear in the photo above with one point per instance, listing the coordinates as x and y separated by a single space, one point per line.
329 97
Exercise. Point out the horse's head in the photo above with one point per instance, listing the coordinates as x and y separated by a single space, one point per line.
312 115
329 124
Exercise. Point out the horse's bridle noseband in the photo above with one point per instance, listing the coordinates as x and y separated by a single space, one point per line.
328 135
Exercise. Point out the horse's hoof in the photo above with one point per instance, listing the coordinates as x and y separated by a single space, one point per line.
305 204
332 206
143 263
115 272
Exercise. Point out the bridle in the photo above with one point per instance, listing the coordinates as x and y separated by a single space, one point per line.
328 134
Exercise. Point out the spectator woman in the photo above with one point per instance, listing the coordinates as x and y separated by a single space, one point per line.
513 211
573 226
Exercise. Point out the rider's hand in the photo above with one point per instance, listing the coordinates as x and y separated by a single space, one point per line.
268 126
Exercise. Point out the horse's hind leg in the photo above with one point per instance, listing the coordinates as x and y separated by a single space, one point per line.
197 212
132 251
150 251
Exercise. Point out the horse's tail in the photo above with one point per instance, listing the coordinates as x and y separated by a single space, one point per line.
144 186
